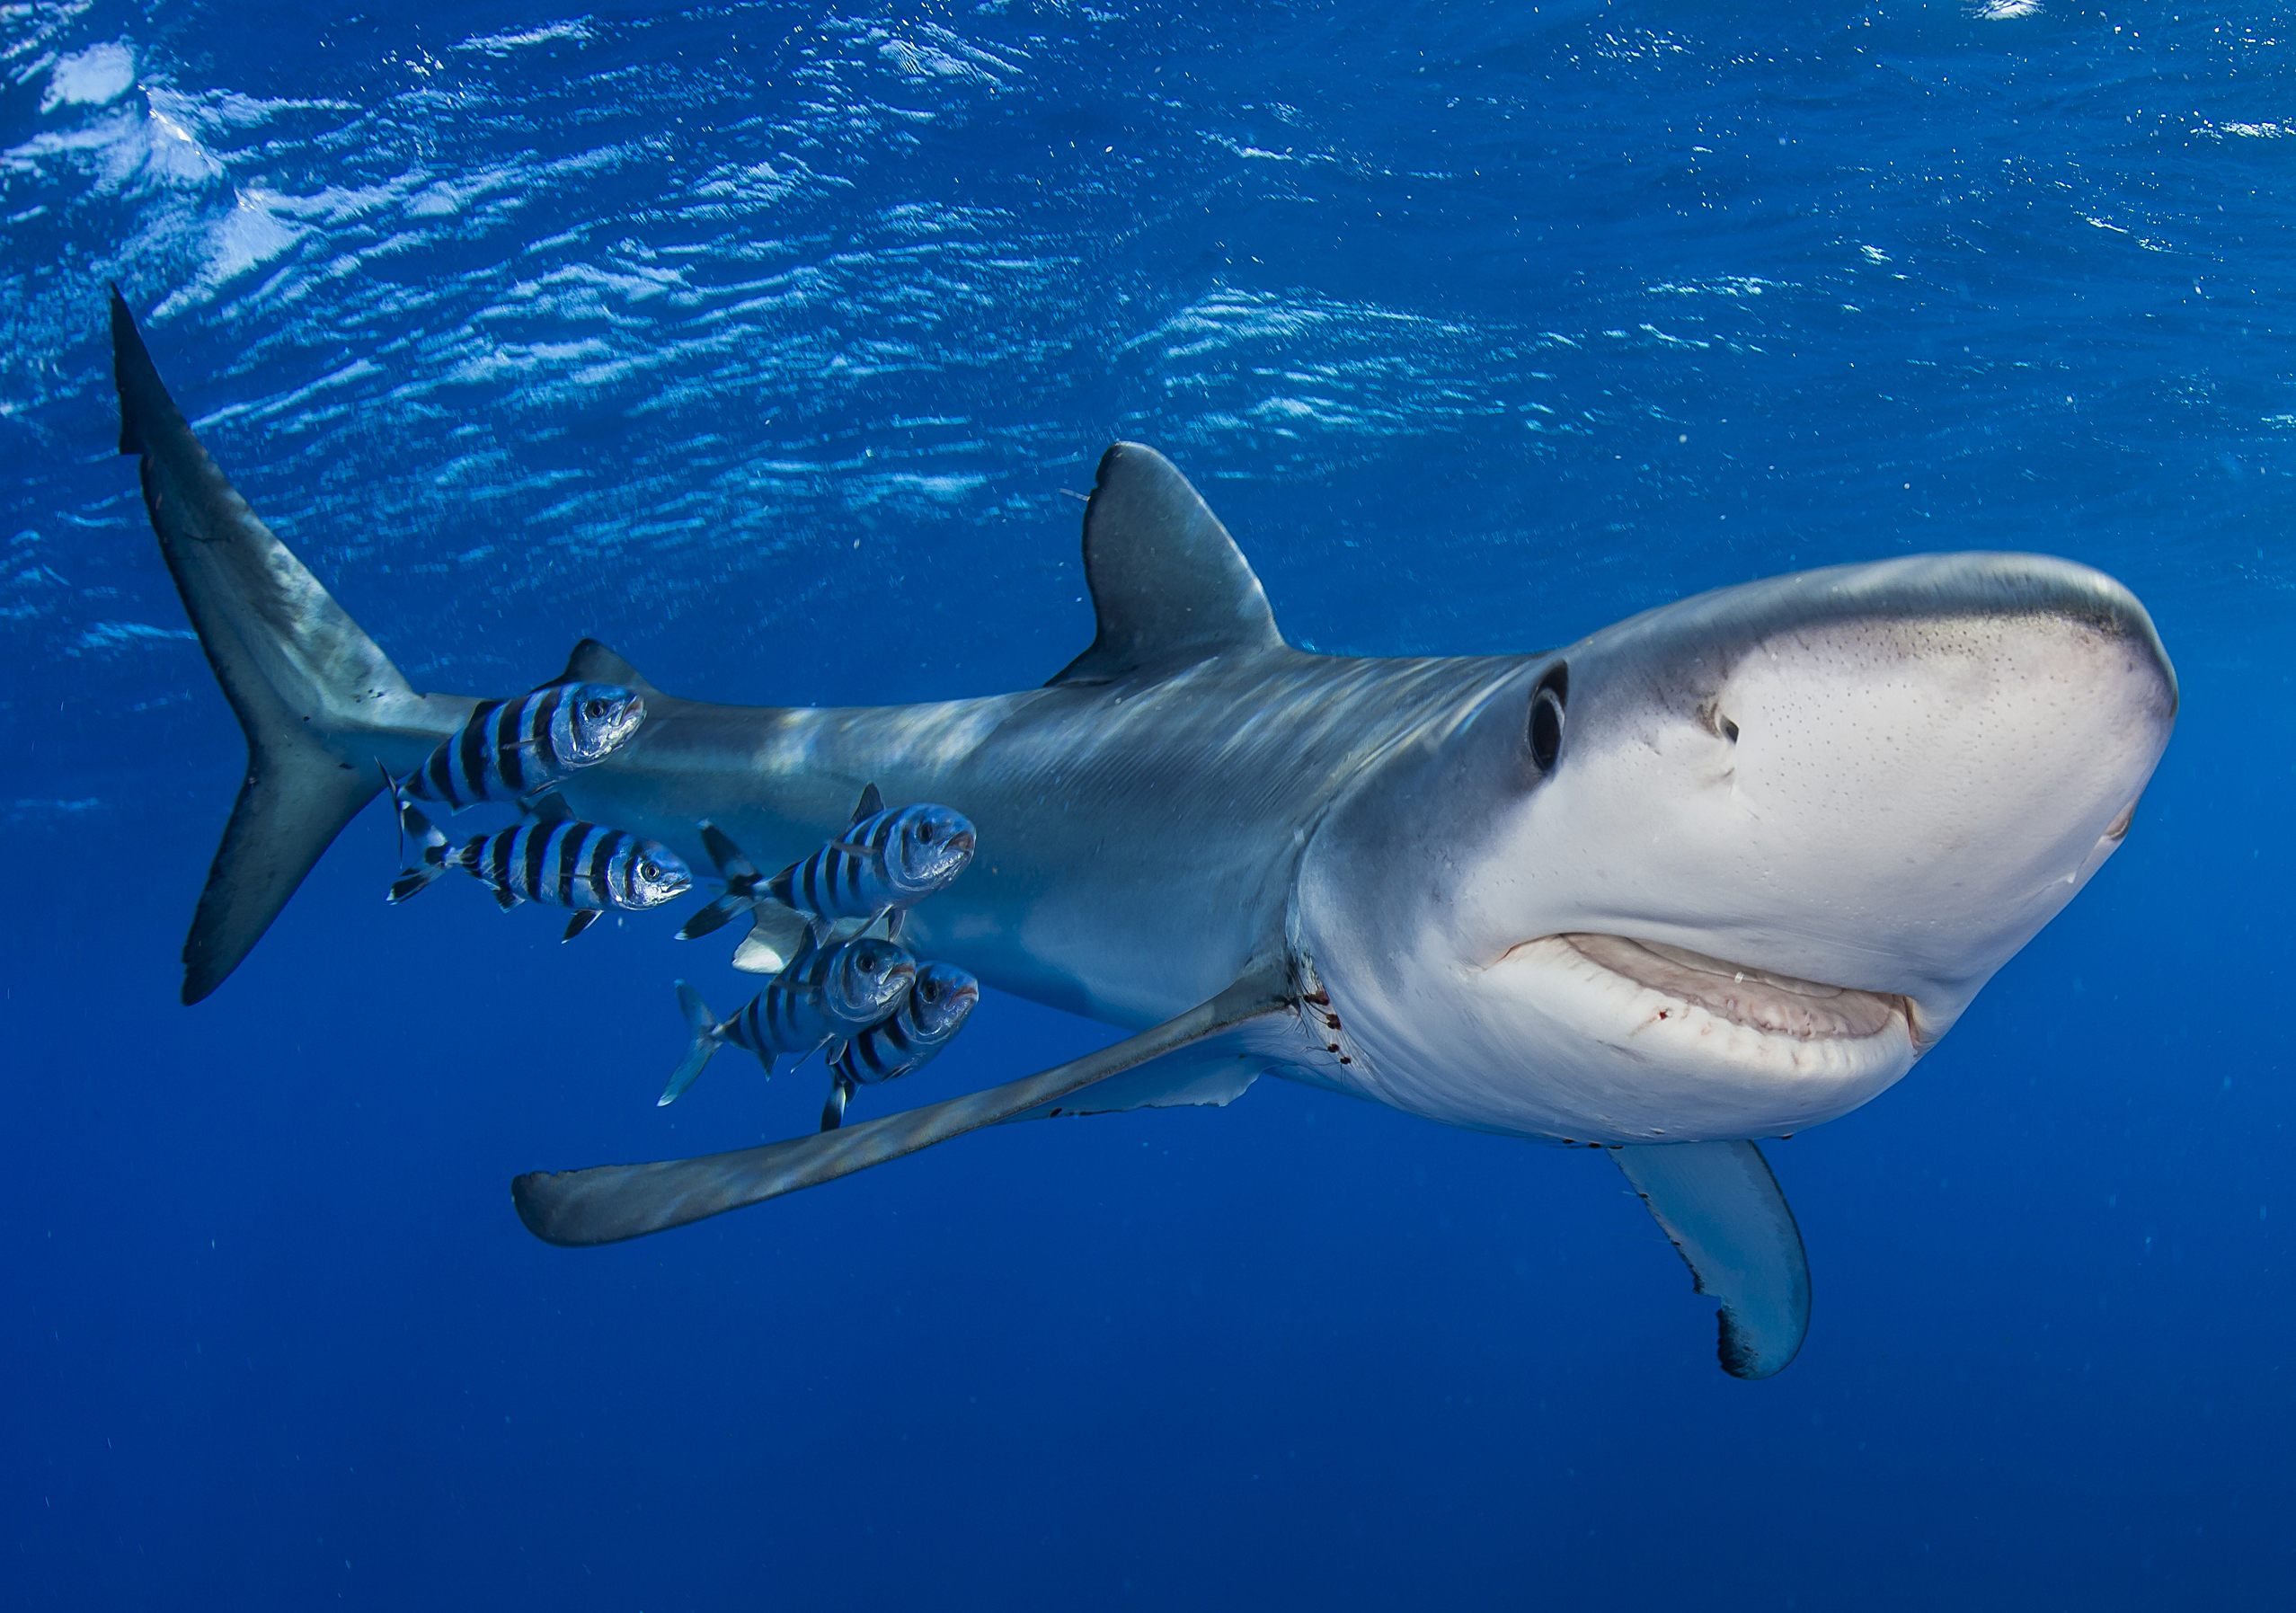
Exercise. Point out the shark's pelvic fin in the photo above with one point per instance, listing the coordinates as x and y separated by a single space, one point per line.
609 1204
1721 1208
293 664
1169 587
775 933
593 662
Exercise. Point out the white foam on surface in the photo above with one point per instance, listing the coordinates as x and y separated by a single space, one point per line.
95 76
575 31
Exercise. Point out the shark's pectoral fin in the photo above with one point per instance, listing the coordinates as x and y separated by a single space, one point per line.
609 1204
1169 586
1722 1209
1216 1072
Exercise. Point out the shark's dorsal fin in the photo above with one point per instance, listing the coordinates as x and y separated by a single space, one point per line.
1168 585
593 662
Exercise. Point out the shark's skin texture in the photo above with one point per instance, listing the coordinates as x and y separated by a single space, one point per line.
1718 873
1932 755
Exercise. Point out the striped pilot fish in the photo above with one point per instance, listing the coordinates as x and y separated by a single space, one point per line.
825 996
885 863
511 750
557 861
930 1016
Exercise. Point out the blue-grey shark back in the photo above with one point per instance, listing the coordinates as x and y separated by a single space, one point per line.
1717 873
1140 836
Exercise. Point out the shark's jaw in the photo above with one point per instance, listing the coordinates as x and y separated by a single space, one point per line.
1586 1037
1801 1050
1709 997
1787 831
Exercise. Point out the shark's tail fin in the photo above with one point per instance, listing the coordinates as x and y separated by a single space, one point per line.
706 1038
309 687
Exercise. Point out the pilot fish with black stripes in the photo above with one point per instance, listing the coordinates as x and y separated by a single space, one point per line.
824 996
938 1003
883 864
511 750
552 860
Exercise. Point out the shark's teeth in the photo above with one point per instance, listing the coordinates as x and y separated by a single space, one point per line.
1779 1005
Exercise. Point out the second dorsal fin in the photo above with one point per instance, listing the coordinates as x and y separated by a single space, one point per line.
593 662
1168 585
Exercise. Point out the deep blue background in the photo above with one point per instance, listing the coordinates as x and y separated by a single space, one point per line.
763 342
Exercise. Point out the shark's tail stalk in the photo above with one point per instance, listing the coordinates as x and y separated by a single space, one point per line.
708 1037
317 699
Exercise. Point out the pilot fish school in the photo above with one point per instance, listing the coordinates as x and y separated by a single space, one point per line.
1718 873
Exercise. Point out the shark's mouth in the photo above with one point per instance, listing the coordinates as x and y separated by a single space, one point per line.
1691 986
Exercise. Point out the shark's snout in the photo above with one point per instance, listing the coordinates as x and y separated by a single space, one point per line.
1789 831
1884 777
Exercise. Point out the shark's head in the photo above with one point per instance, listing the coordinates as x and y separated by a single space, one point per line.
1726 869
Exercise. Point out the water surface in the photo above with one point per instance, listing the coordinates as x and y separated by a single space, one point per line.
771 345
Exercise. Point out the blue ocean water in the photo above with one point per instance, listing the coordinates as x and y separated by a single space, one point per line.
770 344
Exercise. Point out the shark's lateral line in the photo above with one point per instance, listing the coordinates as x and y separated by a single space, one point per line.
1718 873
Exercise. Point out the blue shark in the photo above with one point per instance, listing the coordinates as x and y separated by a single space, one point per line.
1717 874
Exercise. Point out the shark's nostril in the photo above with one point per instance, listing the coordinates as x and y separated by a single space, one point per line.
1715 723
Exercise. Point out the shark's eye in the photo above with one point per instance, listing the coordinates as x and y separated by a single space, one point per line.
593 709
1545 728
